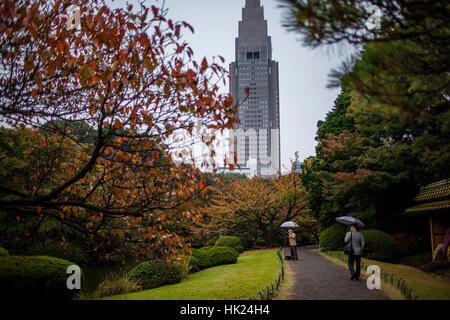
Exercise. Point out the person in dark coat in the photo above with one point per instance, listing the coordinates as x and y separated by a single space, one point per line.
357 241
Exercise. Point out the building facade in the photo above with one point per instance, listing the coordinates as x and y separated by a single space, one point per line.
257 136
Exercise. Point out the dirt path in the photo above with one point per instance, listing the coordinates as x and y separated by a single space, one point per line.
316 278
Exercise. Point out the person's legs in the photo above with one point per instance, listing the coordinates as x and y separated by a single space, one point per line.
295 257
351 261
358 267
293 253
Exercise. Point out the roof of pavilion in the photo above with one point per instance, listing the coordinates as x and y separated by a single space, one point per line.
432 197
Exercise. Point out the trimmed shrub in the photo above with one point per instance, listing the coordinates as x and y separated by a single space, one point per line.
214 256
228 241
378 245
35 277
332 238
206 248
69 252
218 255
154 273
118 284
239 248
3 253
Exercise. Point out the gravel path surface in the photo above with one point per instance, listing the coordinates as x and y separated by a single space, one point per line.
316 278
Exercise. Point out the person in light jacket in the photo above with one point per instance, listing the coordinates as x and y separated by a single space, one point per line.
293 244
357 240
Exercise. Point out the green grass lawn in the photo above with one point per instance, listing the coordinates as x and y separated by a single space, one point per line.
253 271
425 285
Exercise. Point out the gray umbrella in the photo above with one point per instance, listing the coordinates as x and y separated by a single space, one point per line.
347 220
289 224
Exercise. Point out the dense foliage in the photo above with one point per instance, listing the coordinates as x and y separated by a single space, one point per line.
388 133
255 208
90 152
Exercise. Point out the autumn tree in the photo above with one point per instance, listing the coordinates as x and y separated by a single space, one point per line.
130 79
246 207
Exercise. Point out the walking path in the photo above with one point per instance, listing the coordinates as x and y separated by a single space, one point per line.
316 278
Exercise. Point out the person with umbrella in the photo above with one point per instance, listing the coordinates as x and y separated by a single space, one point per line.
354 245
291 236
293 244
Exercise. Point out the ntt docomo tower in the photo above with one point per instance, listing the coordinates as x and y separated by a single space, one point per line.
257 136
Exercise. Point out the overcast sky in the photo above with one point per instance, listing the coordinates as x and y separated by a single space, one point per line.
304 98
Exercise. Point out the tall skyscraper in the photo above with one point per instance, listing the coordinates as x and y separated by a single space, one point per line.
257 136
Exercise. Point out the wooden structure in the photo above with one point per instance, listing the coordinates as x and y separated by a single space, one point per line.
434 201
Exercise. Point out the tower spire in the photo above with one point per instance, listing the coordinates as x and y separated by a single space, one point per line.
252 3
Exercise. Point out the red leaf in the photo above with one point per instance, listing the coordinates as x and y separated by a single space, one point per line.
247 90
204 65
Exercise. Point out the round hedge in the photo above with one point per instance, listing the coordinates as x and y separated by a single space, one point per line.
3 252
155 273
239 248
378 245
34 277
332 238
228 241
211 257
69 252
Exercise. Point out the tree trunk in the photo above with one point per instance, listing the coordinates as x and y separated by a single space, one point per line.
269 238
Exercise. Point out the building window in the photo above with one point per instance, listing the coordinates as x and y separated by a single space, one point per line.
252 55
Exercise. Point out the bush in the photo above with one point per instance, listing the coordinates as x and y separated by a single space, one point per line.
3 253
206 248
154 273
332 238
36 277
379 245
239 248
214 256
69 252
228 241
118 284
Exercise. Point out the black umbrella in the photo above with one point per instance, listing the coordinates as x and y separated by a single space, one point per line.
348 220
